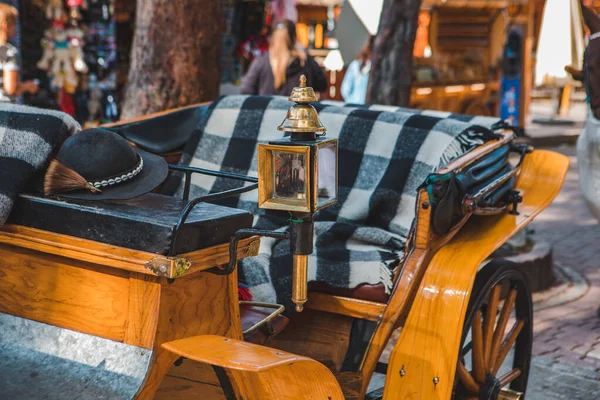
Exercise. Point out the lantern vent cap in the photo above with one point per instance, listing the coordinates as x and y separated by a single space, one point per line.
302 117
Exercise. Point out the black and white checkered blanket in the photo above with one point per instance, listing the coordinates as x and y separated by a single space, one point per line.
384 156
28 136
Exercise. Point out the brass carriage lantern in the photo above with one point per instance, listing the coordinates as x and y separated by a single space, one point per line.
298 174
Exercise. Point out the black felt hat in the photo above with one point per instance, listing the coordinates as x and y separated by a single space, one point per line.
97 164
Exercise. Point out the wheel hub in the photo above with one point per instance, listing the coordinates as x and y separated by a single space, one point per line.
507 394
490 388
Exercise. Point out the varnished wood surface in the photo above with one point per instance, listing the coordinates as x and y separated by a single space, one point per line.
193 305
142 314
428 346
231 354
173 388
91 287
300 380
259 372
423 232
345 306
64 293
114 256
406 280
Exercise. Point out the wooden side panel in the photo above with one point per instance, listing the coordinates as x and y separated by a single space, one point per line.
319 335
194 371
76 248
429 343
142 316
83 297
201 303
259 372
345 306
118 257
173 388
301 380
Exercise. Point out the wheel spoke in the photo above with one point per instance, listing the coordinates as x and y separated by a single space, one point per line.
488 326
507 345
501 327
477 353
509 377
466 379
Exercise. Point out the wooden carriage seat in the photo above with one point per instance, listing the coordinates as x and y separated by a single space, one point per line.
146 223
34 354
384 156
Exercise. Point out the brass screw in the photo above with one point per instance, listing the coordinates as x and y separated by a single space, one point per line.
436 380
402 371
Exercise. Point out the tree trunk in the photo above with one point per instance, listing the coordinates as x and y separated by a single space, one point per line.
391 66
175 55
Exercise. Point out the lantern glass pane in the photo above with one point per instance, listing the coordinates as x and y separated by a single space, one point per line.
327 175
289 179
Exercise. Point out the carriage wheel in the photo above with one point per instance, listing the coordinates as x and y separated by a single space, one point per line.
498 329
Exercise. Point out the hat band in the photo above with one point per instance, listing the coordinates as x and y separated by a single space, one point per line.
119 179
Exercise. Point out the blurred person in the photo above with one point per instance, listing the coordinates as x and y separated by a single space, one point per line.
278 71
356 80
10 87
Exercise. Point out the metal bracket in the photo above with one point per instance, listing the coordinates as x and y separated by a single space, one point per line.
278 310
514 197
168 267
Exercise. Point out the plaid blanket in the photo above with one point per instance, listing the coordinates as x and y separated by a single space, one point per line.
383 158
27 138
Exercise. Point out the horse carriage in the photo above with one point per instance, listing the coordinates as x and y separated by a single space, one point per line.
139 298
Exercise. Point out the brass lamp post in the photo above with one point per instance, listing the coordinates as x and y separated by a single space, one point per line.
298 174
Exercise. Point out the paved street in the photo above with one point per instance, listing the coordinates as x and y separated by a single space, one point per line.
567 337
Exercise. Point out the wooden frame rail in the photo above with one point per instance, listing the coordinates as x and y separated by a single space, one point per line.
120 257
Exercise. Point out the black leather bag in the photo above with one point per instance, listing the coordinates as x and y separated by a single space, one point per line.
484 187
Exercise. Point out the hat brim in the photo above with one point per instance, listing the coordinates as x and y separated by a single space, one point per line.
154 173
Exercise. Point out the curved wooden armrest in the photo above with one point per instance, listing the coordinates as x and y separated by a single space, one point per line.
231 353
429 344
259 372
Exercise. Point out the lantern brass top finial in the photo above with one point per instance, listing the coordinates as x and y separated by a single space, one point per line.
302 117
303 94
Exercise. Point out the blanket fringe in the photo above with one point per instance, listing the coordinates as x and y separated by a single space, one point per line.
386 274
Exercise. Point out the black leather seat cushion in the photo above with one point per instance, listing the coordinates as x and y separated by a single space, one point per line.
145 223
163 133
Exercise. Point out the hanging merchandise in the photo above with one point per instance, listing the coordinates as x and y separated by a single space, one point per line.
62 56
101 57
79 57
74 8
55 11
